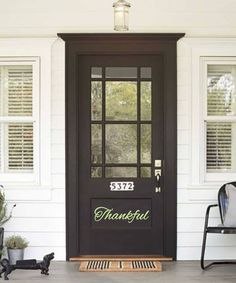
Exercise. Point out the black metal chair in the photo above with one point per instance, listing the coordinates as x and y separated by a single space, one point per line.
222 204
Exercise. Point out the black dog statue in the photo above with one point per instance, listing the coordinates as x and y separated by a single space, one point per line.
28 264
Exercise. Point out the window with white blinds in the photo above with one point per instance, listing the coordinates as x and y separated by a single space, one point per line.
220 121
17 118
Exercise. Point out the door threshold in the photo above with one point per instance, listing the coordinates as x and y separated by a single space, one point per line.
121 257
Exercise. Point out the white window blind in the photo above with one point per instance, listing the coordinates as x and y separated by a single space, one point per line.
16 119
221 112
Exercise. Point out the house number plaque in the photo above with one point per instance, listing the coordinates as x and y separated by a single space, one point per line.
121 186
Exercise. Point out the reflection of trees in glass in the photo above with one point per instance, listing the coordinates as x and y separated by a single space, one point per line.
221 94
146 98
124 172
145 143
96 101
121 143
121 139
121 100
96 140
145 172
96 172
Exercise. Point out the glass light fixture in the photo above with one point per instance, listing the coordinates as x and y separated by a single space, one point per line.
121 15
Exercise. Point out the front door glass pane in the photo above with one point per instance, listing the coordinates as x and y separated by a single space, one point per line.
221 90
121 72
146 73
146 101
96 172
121 101
145 172
145 143
121 122
96 73
96 101
123 172
96 141
121 143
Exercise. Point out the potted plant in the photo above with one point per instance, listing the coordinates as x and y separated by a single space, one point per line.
4 217
15 248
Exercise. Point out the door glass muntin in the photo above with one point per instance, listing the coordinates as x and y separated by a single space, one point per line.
143 88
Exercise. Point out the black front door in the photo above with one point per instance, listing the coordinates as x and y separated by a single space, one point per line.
120 133
121 144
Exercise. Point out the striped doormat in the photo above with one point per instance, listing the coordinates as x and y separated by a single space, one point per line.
121 265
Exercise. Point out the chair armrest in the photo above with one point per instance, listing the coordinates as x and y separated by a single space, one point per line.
207 214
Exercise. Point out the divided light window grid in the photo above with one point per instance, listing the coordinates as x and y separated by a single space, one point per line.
16 118
220 121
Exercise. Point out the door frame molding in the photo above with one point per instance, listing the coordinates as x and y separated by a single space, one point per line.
122 44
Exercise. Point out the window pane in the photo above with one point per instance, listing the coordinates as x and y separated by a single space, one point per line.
121 100
121 72
221 92
145 172
96 101
16 91
96 143
146 73
146 101
96 72
121 143
122 172
20 146
146 143
221 146
96 172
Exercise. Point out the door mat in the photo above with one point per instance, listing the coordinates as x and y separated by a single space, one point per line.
121 265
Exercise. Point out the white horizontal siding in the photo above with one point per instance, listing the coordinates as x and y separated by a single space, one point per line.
193 201
43 239
39 214
217 253
35 224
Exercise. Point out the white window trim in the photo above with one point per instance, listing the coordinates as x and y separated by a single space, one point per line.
212 49
38 50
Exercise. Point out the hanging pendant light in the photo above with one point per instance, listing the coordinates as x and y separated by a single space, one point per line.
121 15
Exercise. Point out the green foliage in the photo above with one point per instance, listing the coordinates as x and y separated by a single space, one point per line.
3 208
16 242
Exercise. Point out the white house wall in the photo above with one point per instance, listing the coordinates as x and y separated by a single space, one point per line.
40 213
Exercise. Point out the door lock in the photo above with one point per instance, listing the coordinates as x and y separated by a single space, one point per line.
158 181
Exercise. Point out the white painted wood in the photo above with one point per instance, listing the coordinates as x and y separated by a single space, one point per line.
58 122
183 137
33 194
58 136
58 181
187 253
183 166
44 210
18 225
183 152
213 240
58 166
195 224
195 210
58 151
182 180
43 239
59 196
